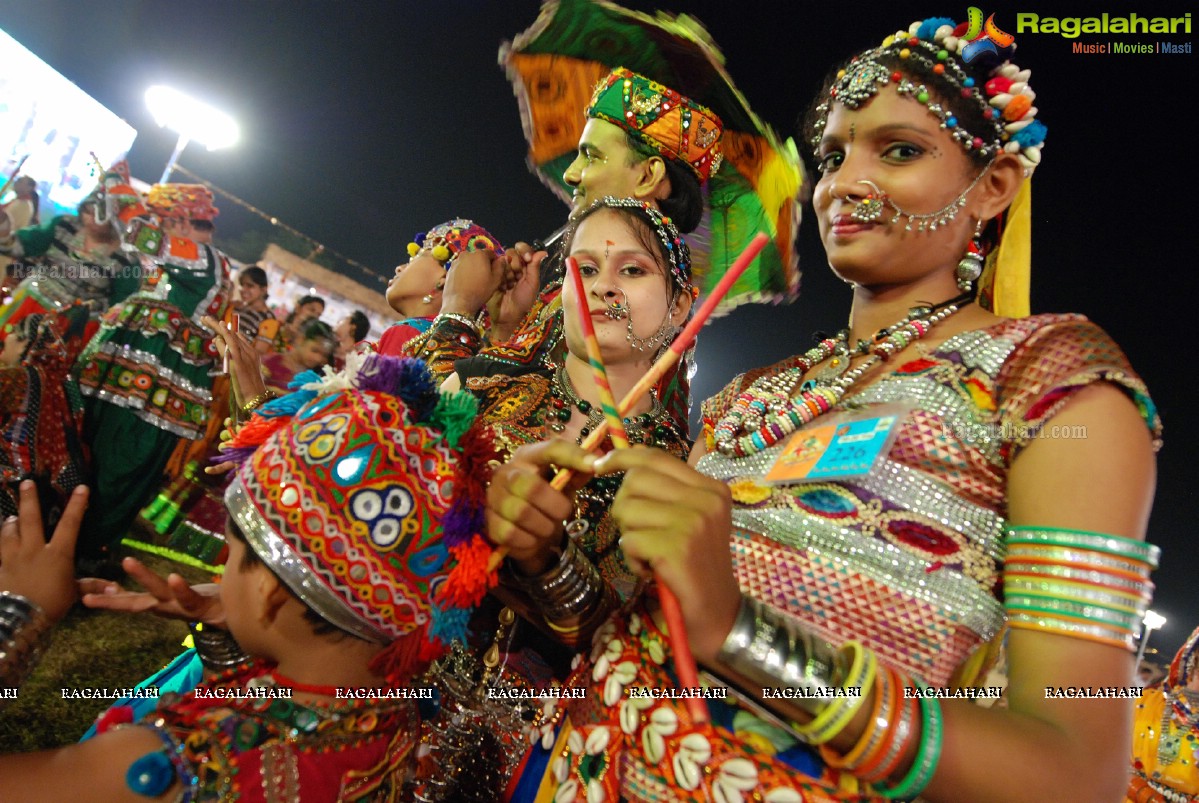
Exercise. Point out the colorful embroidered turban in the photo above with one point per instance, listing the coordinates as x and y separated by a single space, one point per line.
452 238
367 502
188 201
676 126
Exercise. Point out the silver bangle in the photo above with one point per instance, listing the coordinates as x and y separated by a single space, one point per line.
768 648
569 588
468 322
23 626
217 648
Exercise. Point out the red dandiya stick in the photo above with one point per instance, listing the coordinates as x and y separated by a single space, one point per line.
684 661
670 607
599 374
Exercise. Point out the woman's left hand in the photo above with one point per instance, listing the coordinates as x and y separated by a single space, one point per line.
675 523
42 572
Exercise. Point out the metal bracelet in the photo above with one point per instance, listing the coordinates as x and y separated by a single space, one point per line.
569 588
768 648
23 626
468 322
217 648
259 400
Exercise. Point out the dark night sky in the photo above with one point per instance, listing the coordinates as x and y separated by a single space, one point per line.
365 121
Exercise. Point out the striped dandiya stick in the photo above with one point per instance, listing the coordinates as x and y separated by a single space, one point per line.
676 629
676 350
599 374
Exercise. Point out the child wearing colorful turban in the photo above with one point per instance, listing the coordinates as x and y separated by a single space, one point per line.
354 560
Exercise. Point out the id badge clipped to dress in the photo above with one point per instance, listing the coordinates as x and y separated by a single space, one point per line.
840 448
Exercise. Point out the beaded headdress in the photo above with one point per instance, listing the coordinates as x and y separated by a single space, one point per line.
449 239
1004 97
676 248
674 125
115 196
366 497
188 201
971 59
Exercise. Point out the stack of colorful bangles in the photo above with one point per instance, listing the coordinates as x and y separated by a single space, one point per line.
767 647
880 749
1077 583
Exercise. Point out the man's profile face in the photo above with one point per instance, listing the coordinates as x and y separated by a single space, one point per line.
602 166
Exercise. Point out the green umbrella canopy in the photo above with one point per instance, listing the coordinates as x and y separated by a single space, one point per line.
554 67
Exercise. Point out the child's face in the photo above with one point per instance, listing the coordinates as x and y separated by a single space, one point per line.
240 589
344 332
310 311
250 292
314 353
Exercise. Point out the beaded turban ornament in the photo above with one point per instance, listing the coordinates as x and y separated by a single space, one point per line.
968 60
677 127
364 492
189 201
448 240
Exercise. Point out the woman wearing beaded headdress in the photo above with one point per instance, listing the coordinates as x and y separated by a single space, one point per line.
147 374
365 487
863 521
1165 734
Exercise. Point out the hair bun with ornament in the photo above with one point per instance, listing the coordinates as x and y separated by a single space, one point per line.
447 240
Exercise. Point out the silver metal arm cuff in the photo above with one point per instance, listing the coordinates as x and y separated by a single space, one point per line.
770 649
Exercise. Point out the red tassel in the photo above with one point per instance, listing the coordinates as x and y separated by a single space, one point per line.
401 661
258 430
470 580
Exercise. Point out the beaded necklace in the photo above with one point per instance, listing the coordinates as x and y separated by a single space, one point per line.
766 412
648 428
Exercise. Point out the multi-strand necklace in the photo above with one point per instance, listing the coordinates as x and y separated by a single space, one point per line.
768 410
648 428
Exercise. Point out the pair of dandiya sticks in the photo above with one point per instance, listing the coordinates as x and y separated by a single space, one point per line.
613 424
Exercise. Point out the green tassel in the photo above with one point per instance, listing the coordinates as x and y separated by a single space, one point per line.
453 415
